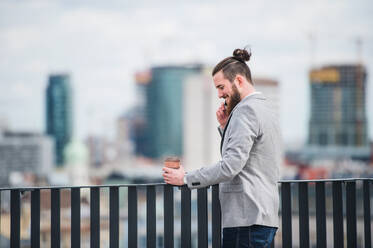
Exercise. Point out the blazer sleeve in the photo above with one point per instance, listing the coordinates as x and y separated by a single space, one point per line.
243 130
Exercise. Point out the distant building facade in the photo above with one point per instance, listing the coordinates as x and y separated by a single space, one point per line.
96 151
137 115
201 139
77 163
338 124
164 110
25 152
4 125
270 89
59 116
157 127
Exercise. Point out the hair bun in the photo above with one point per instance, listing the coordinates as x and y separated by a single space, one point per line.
242 54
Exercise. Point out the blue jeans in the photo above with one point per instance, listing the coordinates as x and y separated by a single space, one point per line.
256 236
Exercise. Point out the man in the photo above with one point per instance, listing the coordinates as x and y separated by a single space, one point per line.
249 169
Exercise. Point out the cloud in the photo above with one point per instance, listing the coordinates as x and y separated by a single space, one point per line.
102 44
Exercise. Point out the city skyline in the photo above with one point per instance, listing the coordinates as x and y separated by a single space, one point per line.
103 45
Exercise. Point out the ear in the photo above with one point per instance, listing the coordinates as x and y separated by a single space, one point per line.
240 81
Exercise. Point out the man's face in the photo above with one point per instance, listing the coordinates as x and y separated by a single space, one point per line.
226 90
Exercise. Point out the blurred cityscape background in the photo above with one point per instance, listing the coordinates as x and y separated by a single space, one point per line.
100 92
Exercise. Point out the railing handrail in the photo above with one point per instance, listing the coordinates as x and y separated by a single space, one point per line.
31 188
326 180
83 186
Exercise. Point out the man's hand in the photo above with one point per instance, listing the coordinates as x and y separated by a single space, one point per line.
222 115
174 176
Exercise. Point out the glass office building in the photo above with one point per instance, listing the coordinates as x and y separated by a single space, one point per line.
59 113
338 122
164 110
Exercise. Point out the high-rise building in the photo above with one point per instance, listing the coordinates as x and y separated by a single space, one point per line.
201 139
59 122
136 116
25 152
161 131
270 89
338 123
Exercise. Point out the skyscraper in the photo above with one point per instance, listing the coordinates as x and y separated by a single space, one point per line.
59 113
163 111
270 89
201 139
137 117
338 123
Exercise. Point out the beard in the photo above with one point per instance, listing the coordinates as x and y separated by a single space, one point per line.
235 98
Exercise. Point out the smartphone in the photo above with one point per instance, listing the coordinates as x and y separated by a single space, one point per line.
225 106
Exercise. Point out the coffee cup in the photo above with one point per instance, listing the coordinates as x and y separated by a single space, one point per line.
172 162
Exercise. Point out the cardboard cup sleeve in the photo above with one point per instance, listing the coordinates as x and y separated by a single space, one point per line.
172 162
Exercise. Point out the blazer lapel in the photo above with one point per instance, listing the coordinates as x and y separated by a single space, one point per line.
222 138
259 96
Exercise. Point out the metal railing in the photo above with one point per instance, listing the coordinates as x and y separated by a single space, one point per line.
338 215
286 227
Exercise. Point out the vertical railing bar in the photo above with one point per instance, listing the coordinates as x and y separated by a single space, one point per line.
367 214
15 219
114 217
337 214
151 217
168 216
0 209
95 217
186 217
304 235
320 215
55 218
35 218
351 214
1 192
75 217
202 218
132 216
216 217
286 215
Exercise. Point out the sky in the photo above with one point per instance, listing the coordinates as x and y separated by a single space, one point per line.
101 44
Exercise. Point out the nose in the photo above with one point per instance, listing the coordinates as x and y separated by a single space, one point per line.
220 94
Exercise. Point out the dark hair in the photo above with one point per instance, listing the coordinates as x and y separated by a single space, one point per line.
236 64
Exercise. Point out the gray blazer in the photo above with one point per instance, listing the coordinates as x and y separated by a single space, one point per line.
249 169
